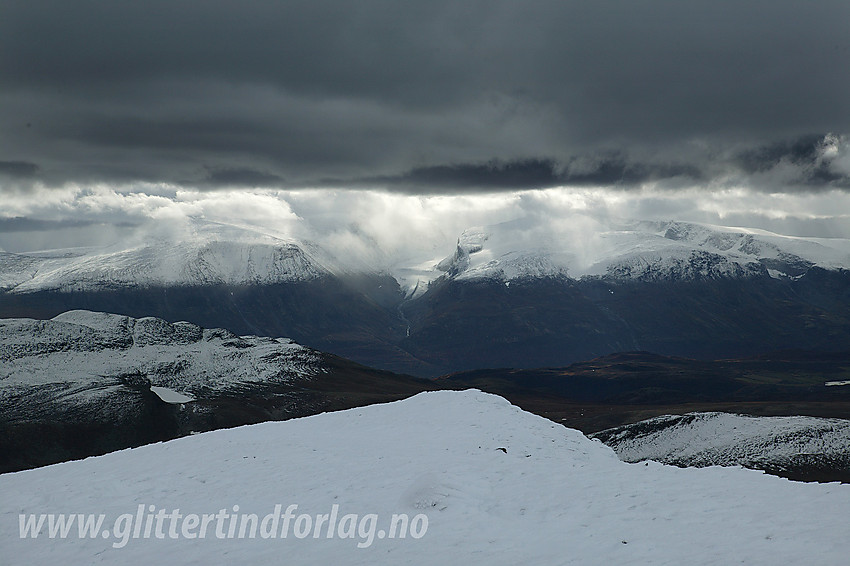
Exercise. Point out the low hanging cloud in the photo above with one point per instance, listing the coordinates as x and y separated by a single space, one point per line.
813 162
809 163
386 229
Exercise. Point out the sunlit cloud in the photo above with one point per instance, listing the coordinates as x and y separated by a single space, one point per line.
385 228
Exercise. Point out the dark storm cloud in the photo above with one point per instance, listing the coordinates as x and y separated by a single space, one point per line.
805 155
604 170
18 168
529 173
287 94
242 177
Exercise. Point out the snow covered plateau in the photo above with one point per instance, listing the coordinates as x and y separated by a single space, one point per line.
497 485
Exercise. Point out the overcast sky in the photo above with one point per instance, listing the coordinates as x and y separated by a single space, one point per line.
677 101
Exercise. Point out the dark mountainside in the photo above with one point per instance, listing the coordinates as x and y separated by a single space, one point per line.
463 325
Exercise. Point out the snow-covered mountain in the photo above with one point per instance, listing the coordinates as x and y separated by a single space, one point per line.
209 253
496 485
206 254
777 444
90 354
509 295
643 251
483 253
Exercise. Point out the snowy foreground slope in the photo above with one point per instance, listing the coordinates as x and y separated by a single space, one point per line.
498 486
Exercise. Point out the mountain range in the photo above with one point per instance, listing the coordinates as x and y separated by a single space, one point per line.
500 298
